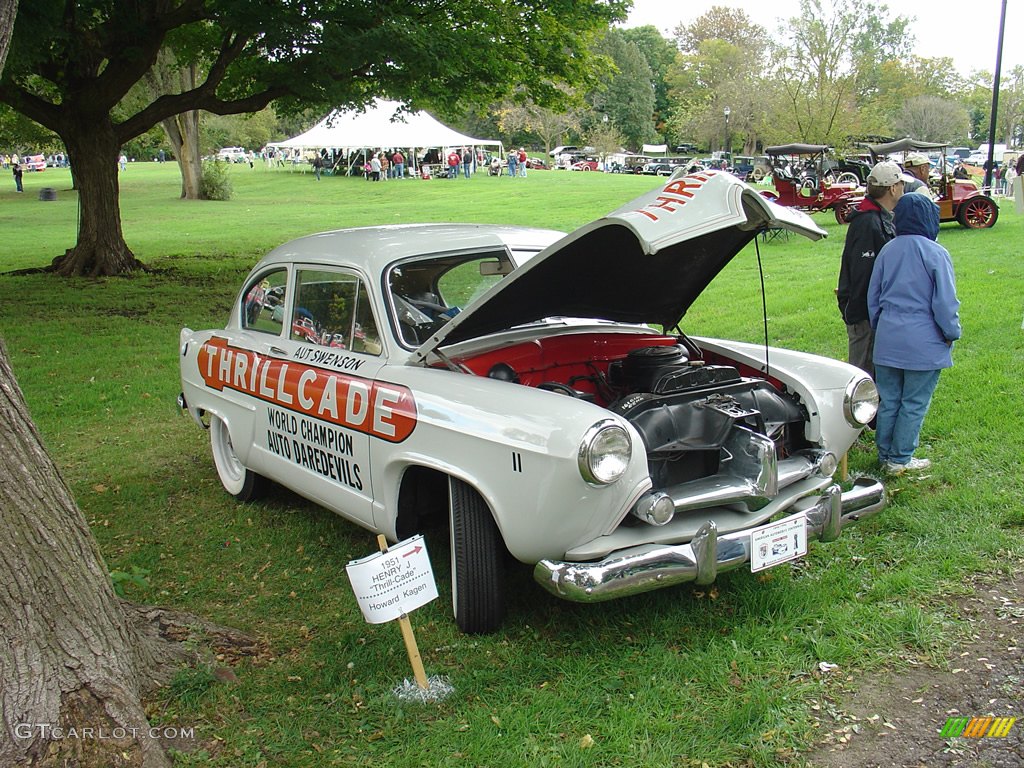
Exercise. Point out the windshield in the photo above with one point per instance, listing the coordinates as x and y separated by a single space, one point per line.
427 293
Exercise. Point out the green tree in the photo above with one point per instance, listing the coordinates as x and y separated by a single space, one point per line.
71 64
626 95
931 118
23 135
720 65
550 126
730 25
828 64
660 55
1011 107
605 139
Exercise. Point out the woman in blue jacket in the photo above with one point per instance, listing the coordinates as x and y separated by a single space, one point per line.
913 308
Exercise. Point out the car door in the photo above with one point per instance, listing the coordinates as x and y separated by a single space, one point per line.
314 413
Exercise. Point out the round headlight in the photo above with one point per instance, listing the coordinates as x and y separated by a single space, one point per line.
604 452
861 402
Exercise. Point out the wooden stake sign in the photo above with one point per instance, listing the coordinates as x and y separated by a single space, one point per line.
391 583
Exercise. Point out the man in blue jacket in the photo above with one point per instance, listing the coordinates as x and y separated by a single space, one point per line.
870 228
913 308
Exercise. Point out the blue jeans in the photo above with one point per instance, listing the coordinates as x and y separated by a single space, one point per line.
905 397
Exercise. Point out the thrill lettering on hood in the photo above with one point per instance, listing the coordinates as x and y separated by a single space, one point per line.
674 195
379 409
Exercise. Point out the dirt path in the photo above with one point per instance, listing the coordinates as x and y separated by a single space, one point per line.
893 720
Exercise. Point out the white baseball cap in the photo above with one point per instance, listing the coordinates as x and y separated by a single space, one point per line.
885 174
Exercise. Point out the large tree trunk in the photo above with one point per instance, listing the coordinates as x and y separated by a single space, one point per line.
74 659
69 657
8 10
183 133
101 249
168 76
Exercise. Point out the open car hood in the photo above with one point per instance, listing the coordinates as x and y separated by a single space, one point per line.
644 263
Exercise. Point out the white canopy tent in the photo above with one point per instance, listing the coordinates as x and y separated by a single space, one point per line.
382 125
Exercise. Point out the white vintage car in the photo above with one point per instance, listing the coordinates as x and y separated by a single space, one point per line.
516 384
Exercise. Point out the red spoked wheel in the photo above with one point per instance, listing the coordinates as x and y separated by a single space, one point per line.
843 210
978 213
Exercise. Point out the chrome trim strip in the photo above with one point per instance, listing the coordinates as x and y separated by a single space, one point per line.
756 489
644 568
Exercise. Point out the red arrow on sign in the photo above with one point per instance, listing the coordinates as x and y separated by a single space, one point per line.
413 551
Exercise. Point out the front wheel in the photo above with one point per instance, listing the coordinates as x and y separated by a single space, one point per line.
242 483
848 177
477 553
978 213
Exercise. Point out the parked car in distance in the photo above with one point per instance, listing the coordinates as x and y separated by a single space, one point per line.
751 168
563 149
232 155
514 388
586 164
658 168
536 164
33 162
634 163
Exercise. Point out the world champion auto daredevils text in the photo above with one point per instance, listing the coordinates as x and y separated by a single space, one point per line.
379 409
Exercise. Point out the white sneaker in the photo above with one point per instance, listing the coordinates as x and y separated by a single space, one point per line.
914 465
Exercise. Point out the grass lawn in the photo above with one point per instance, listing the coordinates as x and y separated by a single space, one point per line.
726 676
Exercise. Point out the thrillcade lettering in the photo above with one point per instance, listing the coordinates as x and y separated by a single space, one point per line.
675 195
379 409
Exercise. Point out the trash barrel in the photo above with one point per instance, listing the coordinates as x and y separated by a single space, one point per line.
47 193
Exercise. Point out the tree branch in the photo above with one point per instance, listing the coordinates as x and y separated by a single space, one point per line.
174 104
43 112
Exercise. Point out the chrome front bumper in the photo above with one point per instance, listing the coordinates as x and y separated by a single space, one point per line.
641 569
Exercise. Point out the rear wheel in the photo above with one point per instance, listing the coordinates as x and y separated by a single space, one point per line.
242 483
477 554
847 177
843 210
977 213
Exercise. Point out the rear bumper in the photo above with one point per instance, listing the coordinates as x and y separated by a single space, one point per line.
641 569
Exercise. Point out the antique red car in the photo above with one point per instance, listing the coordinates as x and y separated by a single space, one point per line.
958 199
806 177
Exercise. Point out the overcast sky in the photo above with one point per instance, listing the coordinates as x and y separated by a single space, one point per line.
967 32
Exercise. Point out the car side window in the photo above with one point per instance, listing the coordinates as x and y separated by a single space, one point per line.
332 309
264 302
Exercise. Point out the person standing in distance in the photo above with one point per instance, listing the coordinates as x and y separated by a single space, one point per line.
917 167
870 227
913 307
